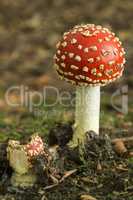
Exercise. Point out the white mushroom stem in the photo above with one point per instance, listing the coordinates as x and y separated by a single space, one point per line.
87 111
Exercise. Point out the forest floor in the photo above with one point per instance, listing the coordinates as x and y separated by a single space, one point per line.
114 179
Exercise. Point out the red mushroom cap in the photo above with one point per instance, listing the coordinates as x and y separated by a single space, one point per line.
89 55
35 147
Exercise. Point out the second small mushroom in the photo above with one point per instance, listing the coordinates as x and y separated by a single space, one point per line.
89 56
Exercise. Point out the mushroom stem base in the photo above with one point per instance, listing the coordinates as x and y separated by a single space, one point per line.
23 180
87 113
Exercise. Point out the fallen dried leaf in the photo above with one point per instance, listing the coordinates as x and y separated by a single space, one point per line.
130 154
119 147
99 167
87 197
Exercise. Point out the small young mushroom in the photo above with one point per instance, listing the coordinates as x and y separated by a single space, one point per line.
89 56
23 175
20 157
35 147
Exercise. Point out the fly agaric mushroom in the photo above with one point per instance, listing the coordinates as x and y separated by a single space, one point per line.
89 56
35 147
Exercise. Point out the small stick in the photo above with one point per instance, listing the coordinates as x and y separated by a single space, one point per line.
67 174
122 168
50 186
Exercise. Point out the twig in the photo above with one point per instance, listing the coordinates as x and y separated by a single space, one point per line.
55 180
50 186
67 174
122 169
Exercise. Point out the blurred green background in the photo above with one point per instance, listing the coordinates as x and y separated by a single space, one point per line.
29 31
